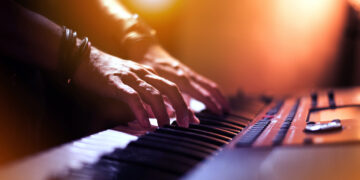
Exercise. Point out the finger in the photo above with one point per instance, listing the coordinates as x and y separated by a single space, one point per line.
170 110
201 94
151 96
143 71
149 68
172 92
213 89
192 88
194 120
126 93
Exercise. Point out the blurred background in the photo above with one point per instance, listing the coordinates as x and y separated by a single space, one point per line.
271 47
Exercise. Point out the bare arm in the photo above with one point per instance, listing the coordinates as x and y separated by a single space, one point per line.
105 21
33 39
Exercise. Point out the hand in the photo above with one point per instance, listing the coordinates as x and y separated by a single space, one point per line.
137 85
188 81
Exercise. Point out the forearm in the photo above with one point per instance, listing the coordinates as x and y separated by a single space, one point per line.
106 22
28 37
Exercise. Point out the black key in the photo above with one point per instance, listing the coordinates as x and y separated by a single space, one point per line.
223 128
241 123
236 118
197 131
152 158
192 135
169 149
214 130
183 139
220 124
178 143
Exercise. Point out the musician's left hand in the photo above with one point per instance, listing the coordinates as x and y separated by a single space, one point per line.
187 80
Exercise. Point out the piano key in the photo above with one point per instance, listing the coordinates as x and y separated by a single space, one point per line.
213 129
219 124
231 116
192 135
223 128
179 143
169 149
151 158
198 131
184 139
141 151
241 123
101 171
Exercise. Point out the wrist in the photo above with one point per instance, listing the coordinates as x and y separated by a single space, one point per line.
137 38
72 52
157 54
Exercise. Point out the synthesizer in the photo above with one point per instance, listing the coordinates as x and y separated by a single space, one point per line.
313 135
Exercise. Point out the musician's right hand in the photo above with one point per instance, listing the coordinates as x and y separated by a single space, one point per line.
135 85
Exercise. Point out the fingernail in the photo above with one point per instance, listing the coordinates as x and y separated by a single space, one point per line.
196 120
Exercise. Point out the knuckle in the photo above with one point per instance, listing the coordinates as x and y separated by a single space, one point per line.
127 76
141 71
156 93
141 83
149 68
214 85
172 86
133 95
208 98
182 77
157 97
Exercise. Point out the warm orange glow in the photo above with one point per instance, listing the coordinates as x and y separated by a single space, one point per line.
274 46
153 5
345 113
115 8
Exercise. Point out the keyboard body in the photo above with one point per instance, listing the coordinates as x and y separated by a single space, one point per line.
306 136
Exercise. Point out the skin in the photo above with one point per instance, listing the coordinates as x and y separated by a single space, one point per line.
135 84
106 29
142 86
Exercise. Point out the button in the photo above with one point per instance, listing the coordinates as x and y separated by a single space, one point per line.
334 125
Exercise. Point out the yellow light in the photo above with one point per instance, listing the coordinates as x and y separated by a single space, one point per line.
114 7
153 5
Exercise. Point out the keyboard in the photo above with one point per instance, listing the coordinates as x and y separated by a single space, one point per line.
314 135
